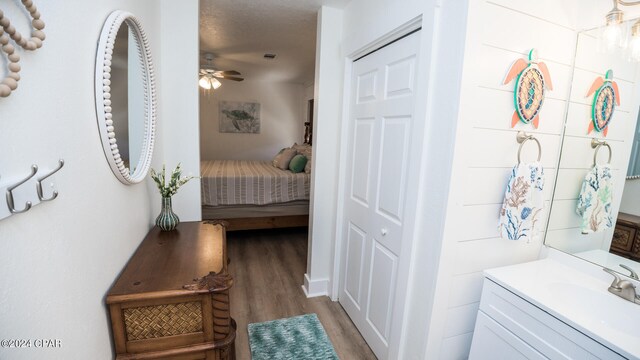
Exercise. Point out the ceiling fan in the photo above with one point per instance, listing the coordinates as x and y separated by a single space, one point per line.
209 75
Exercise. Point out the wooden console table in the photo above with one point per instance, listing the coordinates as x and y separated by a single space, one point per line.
626 237
172 298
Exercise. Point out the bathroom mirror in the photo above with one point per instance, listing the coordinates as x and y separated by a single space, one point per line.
582 219
633 173
125 97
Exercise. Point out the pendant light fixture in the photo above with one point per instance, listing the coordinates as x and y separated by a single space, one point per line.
616 35
634 43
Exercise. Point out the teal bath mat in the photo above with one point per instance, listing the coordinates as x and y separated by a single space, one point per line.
294 338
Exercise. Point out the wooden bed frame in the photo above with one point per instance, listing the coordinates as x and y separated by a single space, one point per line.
267 222
260 217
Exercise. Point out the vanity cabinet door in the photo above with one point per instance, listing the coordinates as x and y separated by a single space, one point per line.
491 341
533 326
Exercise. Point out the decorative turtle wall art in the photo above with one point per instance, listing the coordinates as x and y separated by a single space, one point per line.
528 95
605 100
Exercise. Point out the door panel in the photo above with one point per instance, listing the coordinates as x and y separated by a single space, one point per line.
400 78
380 132
361 162
367 86
355 259
395 132
383 270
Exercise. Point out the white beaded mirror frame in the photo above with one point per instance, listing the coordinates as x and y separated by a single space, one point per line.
103 97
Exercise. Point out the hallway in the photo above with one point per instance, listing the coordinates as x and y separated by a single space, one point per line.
267 267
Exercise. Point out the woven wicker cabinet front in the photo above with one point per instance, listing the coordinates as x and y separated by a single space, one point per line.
151 322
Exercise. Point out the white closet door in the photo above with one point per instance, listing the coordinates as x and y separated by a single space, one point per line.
379 136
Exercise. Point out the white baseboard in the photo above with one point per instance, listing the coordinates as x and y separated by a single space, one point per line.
314 288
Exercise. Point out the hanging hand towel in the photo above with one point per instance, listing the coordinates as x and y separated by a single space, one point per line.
523 201
594 202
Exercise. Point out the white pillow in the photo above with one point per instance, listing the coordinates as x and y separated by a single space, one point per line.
282 159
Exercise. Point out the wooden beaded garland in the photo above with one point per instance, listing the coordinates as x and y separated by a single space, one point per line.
10 82
37 35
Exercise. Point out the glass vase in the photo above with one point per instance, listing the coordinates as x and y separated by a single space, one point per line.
167 220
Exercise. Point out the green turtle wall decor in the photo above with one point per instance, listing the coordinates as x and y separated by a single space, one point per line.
604 103
532 80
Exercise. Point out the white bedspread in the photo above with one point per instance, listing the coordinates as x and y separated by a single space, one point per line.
236 182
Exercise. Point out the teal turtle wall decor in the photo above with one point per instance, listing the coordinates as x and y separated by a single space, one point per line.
532 80
605 99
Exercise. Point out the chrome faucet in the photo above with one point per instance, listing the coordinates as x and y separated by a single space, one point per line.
623 288
633 273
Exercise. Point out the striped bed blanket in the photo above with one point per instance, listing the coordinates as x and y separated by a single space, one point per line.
244 182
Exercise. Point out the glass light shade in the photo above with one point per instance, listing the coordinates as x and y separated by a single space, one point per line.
634 49
614 34
204 83
215 83
634 42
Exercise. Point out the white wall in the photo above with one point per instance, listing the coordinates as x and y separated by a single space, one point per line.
326 150
307 94
498 32
281 120
178 102
485 151
60 258
631 197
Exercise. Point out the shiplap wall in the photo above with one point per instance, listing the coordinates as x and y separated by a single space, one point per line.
498 32
577 155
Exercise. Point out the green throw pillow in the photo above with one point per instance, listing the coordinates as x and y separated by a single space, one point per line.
297 164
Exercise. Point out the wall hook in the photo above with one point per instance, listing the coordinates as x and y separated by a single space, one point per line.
40 179
10 203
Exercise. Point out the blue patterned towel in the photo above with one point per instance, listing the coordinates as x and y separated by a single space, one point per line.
523 201
594 202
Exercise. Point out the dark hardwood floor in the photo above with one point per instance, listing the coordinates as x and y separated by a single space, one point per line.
268 268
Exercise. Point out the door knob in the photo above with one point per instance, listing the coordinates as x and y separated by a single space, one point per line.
384 231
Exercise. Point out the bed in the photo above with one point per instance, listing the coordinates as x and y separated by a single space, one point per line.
252 194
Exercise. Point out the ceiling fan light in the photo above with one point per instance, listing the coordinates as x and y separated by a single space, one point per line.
215 83
205 83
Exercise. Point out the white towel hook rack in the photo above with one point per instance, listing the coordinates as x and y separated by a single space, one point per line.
23 192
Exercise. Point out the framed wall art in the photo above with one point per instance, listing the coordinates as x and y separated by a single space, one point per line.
239 117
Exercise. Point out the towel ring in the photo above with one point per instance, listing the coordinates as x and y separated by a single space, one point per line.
597 144
522 138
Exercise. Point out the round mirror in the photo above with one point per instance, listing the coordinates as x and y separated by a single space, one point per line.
125 97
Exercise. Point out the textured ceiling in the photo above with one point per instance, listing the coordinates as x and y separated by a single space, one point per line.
240 32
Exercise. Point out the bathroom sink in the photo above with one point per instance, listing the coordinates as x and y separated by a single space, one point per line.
579 297
598 307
